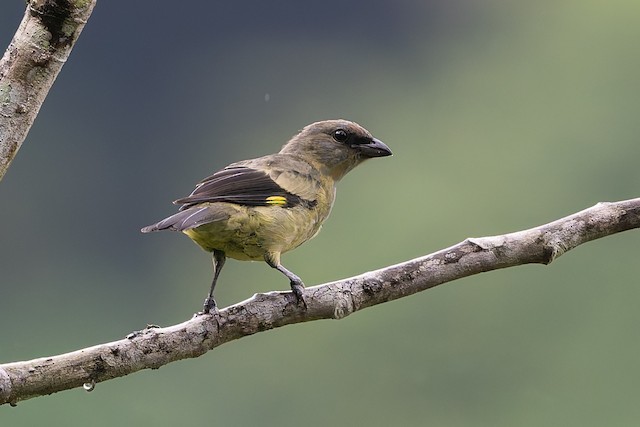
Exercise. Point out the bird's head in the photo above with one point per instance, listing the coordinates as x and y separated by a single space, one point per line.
335 146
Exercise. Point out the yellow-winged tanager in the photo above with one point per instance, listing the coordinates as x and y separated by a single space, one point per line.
258 209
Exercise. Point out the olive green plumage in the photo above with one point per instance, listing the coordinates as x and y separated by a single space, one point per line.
258 209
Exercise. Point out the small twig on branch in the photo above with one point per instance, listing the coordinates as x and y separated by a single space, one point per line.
32 62
154 347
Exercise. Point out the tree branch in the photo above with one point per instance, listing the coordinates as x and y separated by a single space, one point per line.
154 347
32 62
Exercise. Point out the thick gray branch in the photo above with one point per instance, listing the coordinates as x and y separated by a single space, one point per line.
154 347
32 62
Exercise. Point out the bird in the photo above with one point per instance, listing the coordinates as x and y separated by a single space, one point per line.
260 208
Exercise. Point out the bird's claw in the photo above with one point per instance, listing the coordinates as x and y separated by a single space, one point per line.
298 291
210 306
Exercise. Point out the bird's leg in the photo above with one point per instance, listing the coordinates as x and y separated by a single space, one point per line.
218 261
297 287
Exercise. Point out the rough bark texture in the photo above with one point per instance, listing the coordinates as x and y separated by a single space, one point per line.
32 62
154 347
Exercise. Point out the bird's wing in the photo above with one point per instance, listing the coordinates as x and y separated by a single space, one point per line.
242 185
292 174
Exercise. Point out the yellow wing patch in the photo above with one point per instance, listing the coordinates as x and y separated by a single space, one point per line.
277 201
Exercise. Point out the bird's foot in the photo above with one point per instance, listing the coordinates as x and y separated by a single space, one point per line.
298 291
210 306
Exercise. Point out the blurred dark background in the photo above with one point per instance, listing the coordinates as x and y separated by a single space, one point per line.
502 116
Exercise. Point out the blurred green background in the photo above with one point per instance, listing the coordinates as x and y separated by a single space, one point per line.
502 115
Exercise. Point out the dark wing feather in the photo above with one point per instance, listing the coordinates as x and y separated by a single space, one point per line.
240 185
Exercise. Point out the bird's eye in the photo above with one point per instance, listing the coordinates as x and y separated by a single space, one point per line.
340 135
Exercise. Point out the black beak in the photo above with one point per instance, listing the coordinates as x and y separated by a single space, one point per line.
375 148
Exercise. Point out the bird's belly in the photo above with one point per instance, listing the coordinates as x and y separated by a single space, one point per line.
251 232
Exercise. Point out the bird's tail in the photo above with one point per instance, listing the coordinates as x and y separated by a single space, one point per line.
187 219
